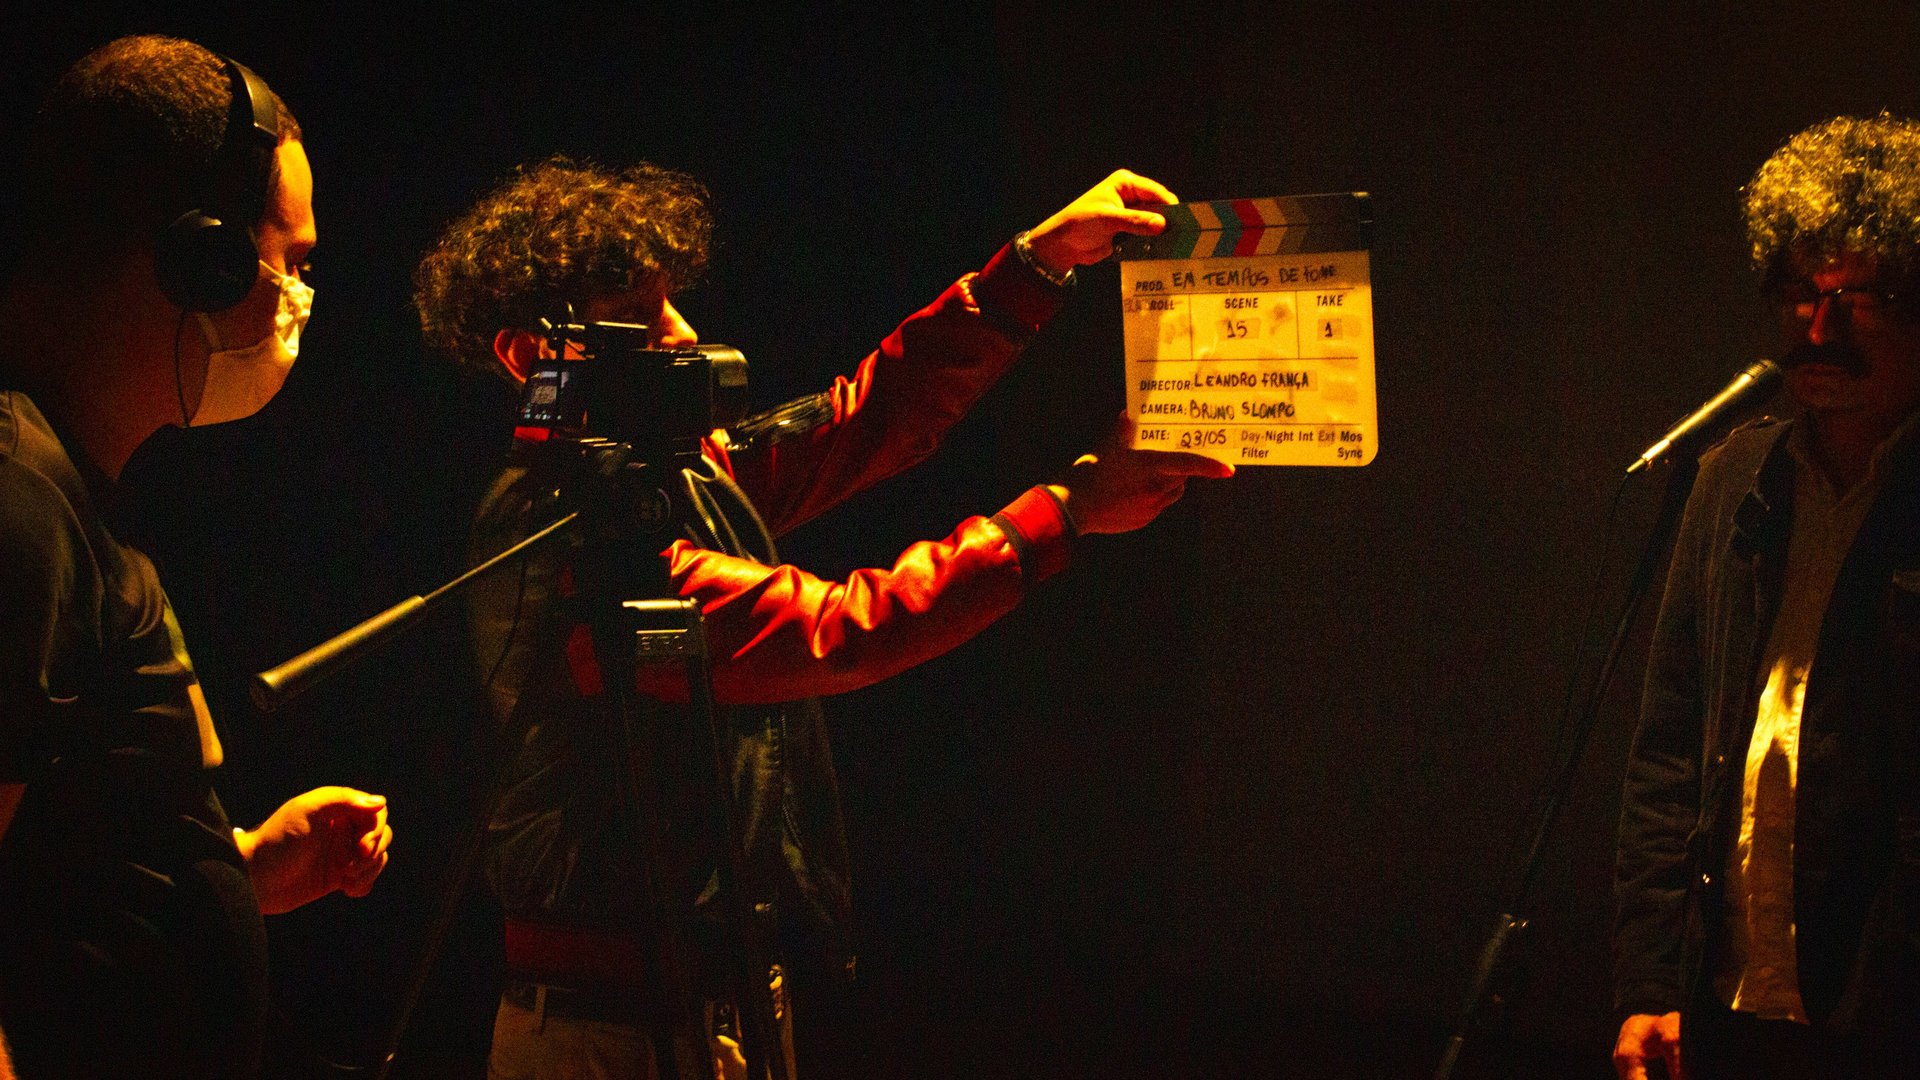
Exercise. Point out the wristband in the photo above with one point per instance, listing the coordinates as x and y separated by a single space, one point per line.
1023 247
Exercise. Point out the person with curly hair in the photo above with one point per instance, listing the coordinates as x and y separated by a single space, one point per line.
591 887
1768 879
560 231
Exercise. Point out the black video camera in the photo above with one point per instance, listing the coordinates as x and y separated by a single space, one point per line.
611 385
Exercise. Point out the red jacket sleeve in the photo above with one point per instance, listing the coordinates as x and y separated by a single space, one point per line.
778 633
895 407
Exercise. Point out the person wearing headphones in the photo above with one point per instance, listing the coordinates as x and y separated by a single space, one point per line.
169 209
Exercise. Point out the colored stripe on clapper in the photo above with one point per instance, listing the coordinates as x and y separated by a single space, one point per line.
1240 227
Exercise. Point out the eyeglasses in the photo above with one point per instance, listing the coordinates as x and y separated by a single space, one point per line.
1798 301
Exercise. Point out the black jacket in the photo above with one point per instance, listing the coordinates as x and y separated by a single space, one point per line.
564 847
569 846
1857 826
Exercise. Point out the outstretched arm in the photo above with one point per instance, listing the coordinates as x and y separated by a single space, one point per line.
1082 232
778 633
893 410
1119 489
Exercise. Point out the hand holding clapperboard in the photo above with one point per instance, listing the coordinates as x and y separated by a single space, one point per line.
1249 331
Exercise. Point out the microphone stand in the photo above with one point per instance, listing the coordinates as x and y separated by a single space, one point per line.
1510 921
661 629
653 626
615 498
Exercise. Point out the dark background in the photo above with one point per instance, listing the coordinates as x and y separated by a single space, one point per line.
1240 794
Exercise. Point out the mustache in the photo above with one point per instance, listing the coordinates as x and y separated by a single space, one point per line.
1844 355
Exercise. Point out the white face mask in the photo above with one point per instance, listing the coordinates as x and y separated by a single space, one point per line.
241 381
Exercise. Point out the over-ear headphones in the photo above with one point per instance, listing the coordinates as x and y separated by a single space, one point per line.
206 259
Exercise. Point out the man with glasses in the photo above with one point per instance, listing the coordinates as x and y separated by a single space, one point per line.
1769 865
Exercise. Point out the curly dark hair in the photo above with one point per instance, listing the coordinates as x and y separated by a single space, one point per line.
558 232
129 138
1844 184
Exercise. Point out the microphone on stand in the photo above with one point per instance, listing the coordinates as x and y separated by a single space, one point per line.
1756 382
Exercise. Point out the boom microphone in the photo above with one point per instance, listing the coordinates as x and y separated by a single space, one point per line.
1747 387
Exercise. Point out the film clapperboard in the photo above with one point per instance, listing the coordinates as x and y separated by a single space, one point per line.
1249 331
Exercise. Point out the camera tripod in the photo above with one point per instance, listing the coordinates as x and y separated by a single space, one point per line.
611 506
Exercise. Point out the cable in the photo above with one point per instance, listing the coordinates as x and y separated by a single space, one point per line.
705 531
731 486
